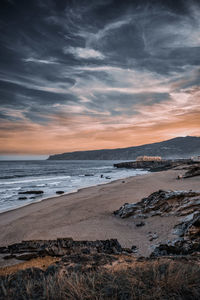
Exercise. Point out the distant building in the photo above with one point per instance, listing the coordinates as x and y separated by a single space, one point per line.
195 158
148 158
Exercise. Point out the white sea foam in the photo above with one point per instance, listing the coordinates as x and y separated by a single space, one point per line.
34 180
71 177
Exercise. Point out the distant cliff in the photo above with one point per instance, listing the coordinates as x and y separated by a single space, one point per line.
180 147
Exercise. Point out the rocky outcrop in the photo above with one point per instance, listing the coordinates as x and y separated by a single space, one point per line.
64 246
188 240
163 203
184 204
193 171
154 165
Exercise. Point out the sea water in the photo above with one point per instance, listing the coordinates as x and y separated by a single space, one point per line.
51 176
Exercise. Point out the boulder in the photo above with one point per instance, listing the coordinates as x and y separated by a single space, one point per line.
59 192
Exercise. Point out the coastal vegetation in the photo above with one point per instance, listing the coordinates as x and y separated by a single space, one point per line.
129 279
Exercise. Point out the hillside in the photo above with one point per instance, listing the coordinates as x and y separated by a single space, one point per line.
180 147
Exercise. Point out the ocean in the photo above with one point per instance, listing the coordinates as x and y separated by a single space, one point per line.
50 176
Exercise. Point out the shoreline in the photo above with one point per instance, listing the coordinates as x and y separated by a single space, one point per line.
88 213
71 192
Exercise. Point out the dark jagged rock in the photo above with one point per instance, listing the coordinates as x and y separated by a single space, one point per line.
31 192
193 171
4 250
189 238
162 203
60 247
184 204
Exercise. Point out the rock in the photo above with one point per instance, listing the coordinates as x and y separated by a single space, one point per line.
22 198
60 247
154 165
32 192
162 203
59 192
153 236
4 250
140 224
134 249
188 241
10 256
185 205
193 171
26 256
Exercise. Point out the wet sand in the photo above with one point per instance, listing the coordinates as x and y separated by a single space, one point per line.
88 213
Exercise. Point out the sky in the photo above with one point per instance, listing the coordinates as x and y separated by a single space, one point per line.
82 74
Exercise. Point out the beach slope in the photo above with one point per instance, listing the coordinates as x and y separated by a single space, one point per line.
88 213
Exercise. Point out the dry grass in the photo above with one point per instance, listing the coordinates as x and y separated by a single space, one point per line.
40 262
159 279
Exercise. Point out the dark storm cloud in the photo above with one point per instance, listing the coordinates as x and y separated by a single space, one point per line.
69 52
36 104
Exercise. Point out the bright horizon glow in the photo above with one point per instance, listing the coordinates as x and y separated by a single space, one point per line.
22 157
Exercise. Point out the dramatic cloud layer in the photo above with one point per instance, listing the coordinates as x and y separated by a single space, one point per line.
82 74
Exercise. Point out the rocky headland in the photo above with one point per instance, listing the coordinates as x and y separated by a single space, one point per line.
161 165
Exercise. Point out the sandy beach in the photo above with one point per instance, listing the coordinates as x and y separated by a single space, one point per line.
88 213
